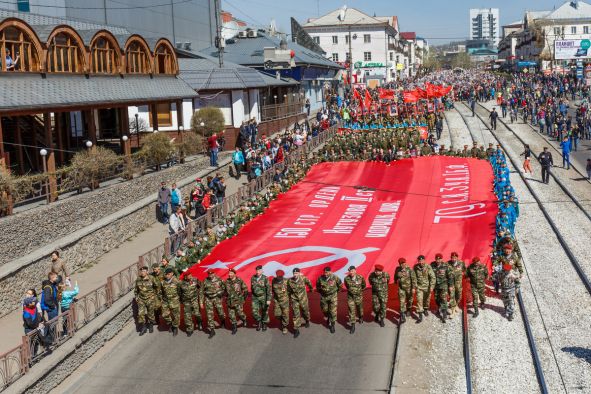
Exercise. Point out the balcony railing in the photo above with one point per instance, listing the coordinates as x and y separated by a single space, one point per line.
280 111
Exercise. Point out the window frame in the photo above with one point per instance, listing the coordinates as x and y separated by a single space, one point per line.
104 60
73 49
335 40
335 57
367 38
26 42
367 56
133 57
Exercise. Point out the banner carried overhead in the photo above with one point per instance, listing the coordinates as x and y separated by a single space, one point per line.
572 49
362 214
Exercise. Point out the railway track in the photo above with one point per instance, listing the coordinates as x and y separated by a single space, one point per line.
528 329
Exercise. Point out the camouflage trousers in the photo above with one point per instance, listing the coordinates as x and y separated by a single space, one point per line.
441 296
379 303
260 309
508 296
210 305
355 304
478 294
281 311
455 296
171 313
405 297
191 308
423 299
300 308
236 309
328 305
145 310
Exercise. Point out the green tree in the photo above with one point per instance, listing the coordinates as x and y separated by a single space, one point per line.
462 60
212 119
157 148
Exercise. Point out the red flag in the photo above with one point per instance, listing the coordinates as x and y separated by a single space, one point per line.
329 220
368 100
357 95
422 94
386 94
431 90
410 96
444 90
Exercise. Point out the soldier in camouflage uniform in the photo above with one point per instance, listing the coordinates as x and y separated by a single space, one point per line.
181 262
145 291
405 278
190 291
158 276
212 291
328 285
477 273
379 280
281 299
165 264
508 278
171 303
236 293
261 298
425 280
444 285
297 285
458 269
355 285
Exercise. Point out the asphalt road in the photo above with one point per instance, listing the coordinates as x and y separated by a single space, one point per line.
250 362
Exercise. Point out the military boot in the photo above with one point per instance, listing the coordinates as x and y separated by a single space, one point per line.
443 315
150 328
199 325
475 310
307 324
175 331
360 320
234 328
223 323
284 330
420 319
143 329
402 318
331 328
189 333
264 326
259 326
426 312
510 317
211 333
482 305
352 329
382 322
296 333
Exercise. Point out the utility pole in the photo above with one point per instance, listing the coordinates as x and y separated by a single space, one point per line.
172 20
350 58
218 29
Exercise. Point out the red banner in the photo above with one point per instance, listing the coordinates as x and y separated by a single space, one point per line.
386 94
367 101
410 96
365 213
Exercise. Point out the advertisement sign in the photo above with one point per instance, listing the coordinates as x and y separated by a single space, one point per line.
571 49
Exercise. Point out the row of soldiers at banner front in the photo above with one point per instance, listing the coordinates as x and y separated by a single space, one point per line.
161 293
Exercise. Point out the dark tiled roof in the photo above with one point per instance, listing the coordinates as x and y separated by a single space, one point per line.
249 52
24 92
204 73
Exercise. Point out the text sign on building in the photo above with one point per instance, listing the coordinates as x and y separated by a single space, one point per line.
571 49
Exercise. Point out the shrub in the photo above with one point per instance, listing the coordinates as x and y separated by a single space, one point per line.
89 167
211 117
157 149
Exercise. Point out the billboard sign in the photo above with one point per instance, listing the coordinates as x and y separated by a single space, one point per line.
571 49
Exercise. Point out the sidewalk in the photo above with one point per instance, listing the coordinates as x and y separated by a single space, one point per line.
11 325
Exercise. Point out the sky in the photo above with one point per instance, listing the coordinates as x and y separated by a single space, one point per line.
438 21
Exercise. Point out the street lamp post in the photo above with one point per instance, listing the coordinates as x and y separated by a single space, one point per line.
137 129
43 153
203 133
182 150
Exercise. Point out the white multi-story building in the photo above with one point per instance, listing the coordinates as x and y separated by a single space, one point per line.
484 25
367 45
570 21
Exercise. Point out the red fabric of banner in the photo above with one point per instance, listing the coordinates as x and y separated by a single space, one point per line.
410 96
386 94
367 213
357 95
368 100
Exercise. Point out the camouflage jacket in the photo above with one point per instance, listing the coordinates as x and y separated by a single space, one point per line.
355 285
425 277
212 287
280 290
190 290
508 279
405 278
328 285
458 269
512 259
146 288
443 276
164 267
298 286
260 287
379 282
171 291
181 263
236 291
478 274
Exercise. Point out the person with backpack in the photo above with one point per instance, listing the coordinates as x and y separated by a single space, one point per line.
49 296
238 160
32 320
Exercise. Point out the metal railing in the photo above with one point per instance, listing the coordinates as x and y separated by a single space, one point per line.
280 111
41 341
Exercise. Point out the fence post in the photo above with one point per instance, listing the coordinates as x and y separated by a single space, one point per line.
109 291
71 318
25 354
140 262
167 245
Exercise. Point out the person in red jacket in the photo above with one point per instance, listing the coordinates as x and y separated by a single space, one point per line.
213 146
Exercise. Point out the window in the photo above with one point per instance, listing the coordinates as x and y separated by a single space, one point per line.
164 62
64 55
138 60
557 31
104 58
335 57
23 5
164 114
347 56
347 39
316 40
367 38
585 29
335 39
367 56
573 30
391 56
17 45
397 58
